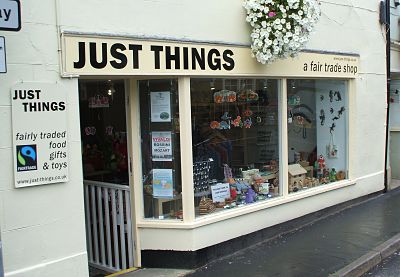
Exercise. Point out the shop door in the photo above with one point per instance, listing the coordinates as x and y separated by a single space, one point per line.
106 174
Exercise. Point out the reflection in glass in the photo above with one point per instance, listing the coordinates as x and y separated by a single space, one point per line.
235 142
159 111
317 133
103 131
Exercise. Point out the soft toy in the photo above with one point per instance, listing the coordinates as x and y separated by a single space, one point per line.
250 196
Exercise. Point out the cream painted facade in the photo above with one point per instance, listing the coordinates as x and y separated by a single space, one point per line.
395 39
394 119
42 227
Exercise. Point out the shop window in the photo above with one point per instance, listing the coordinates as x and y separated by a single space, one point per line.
161 164
103 131
317 133
235 142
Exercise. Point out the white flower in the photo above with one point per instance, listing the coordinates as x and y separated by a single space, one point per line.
273 35
264 24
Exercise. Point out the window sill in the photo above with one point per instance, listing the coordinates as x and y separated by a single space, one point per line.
240 211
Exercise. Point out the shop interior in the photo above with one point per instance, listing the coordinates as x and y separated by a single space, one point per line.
235 142
103 131
105 173
317 127
160 144
235 139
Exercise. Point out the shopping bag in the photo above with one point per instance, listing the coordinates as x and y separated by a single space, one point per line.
332 149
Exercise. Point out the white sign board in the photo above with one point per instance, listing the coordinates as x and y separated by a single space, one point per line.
163 184
161 146
160 106
39 122
220 192
10 15
3 66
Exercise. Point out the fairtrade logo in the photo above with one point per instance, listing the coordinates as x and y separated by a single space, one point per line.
26 157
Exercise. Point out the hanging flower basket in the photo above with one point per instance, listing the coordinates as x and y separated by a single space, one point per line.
281 28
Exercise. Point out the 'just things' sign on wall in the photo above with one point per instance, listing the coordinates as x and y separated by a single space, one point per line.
98 55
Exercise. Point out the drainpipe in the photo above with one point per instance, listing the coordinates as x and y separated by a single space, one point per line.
387 28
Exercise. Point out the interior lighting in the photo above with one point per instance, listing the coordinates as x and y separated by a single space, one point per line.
212 85
111 89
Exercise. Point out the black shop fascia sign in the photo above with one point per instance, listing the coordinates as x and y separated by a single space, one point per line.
100 55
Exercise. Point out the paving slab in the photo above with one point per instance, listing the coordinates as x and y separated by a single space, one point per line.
321 248
157 272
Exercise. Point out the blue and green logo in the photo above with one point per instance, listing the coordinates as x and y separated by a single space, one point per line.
26 157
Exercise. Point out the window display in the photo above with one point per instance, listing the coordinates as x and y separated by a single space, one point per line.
160 149
235 139
317 132
235 142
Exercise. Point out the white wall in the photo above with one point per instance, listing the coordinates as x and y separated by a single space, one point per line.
394 23
395 39
42 227
345 26
210 234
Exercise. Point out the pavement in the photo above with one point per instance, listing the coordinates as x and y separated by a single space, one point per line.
347 243
388 268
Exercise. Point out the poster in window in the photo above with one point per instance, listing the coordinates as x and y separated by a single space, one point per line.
163 186
160 106
161 146
220 192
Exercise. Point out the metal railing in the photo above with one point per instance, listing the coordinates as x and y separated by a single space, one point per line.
108 226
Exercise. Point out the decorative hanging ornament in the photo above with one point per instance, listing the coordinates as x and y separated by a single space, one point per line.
223 125
90 130
214 125
237 122
247 113
281 28
225 116
247 123
224 96
109 130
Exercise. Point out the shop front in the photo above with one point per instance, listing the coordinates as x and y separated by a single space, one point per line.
216 146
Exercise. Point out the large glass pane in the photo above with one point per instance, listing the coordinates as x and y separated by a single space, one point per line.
161 163
103 131
235 142
317 133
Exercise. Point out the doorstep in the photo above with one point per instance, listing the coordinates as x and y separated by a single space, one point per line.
159 272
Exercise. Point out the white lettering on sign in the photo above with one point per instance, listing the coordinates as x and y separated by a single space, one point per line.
10 15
